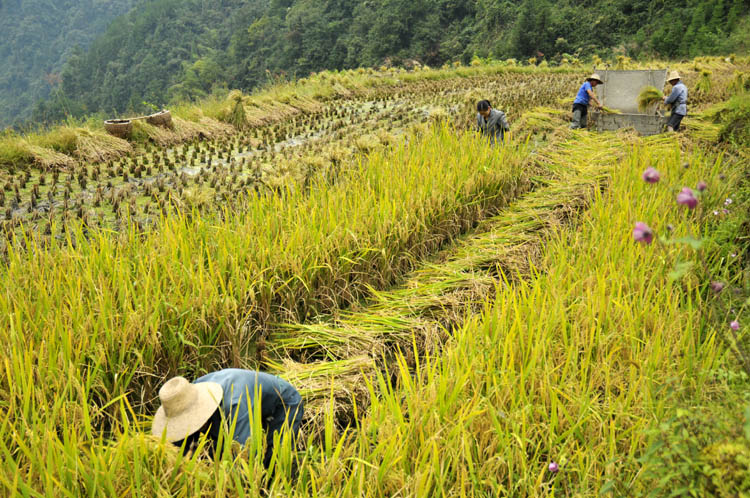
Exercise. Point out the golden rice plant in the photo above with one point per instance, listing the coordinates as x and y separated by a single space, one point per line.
573 357
216 301
568 361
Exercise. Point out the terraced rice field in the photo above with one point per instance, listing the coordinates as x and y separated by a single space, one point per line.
293 149
456 316
84 178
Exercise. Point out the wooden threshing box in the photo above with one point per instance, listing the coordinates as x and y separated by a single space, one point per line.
620 91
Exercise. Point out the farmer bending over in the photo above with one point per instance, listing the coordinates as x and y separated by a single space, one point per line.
491 123
188 411
581 103
678 99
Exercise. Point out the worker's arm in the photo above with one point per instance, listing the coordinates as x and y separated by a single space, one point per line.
504 122
592 95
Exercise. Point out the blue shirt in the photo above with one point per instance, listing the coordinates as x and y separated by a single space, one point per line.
240 387
583 94
678 99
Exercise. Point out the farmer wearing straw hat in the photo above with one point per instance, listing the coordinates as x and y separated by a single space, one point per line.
491 123
226 399
581 103
678 100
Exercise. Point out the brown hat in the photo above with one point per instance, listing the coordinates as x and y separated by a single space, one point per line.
595 77
185 407
674 75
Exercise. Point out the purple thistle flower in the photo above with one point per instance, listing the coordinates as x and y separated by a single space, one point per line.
643 233
553 467
687 198
717 286
727 202
702 186
651 175
725 211
735 325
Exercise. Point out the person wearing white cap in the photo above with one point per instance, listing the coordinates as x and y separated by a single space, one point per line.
224 399
581 103
678 100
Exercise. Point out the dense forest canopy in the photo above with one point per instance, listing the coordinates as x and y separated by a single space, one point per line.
174 50
38 36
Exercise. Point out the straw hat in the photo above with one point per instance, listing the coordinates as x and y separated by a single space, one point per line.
596 77
185 407
674 75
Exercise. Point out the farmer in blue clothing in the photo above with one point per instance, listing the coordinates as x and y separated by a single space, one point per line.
678 100
224 399
581 103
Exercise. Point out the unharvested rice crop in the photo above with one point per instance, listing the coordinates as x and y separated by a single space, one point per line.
457 317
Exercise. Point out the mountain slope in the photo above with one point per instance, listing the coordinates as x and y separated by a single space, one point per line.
176 50
38 36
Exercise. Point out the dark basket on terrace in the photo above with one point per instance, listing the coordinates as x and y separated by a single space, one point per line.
161 118
121 128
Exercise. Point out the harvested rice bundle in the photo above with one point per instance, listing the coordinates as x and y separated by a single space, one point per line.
608 110
328 387
205 127
740 83
704 84
143 131
649 96
48 159
98 145
238 118
540 119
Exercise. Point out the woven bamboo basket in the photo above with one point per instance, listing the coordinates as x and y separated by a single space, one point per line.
161 118
121 128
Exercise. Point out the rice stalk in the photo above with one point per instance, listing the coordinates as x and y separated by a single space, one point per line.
705 83
648 98
47 159
238 118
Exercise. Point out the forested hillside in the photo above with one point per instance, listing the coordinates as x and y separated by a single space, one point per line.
169 50
38 36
